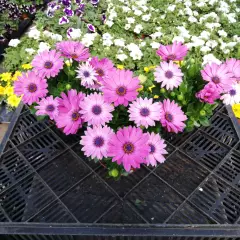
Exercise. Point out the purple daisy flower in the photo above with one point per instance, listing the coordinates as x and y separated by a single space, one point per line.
73 50
69 12
66 3
48 63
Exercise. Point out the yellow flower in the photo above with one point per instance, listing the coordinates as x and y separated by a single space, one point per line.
152 67
68 63
142 78
146 69
16 75
7 76
1 90
8 91
150 88
27 66
120 67
236 110
155 96
13 101
140 89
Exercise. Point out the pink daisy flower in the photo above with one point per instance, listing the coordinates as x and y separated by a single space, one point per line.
102 67
233 66
175 52
172 116
31 87
95 111
95 142
157 149
120 87
87 74
69 117
219 75
48 63
48 106
129 146
73 50
144 112
169 74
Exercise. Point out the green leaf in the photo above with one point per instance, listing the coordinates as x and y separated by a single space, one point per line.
204 121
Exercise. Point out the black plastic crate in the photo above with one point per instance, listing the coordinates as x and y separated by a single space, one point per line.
49 190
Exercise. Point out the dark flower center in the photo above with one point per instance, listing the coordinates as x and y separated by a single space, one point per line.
98 141
169 74
232 92
121 91
75 116
216 80
74 56
128 148
169 117
32 87
50 108
100 72
48 65
171 56
153 149
86 74
144 112
96 109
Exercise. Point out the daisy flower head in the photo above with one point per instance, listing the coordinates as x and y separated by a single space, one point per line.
157 149
172 117
48 106
232 96
31 87
87 74
169 74
120 87
95 111
219 75
129 146
69 117
233 66
144 112
73 50
174 52
95 142
48 63
102 67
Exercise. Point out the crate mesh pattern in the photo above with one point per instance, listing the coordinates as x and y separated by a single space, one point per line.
44 178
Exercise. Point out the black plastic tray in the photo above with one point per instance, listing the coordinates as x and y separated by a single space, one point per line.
49 190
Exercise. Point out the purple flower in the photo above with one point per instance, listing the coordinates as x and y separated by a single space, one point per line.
78 1
91 28
94 2
32 9
63 20
66 3
69 12
104 18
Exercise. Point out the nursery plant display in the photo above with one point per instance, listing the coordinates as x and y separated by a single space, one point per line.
121 115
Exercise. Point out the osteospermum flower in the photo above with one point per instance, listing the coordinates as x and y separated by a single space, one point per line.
120 87
69 117
48 106
232 96
95 111
48 63
87 74
102 67
219 75
175 52
169 74
172 117
233 66
31 87
129 146
95 142
157 149
144 112
73 50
